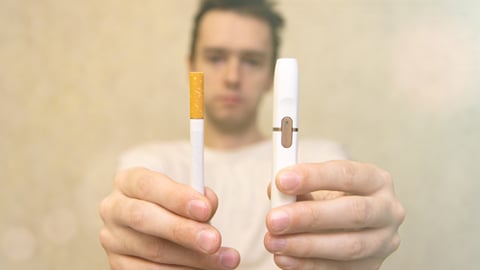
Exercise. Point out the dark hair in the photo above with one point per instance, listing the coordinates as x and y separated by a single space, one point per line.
261 9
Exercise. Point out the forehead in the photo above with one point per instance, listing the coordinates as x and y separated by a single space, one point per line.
234 31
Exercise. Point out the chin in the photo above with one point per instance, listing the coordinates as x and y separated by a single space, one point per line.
231 125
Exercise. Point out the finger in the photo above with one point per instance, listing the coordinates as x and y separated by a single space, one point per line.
144 184
346 176
133 244
357 212
304 197
286 262
122 262
212 197
269 190
149 218
339 246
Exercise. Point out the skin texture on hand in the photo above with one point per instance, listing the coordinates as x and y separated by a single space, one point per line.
153 222
346 217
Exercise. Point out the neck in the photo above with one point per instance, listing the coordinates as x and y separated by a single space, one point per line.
217 139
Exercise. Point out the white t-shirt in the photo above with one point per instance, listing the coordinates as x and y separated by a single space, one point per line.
240 179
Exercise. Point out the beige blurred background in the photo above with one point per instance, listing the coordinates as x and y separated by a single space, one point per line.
396 81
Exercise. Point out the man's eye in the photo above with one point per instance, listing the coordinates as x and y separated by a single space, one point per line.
252 62
214 58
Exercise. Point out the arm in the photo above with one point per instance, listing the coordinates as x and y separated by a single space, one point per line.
152 221
347 217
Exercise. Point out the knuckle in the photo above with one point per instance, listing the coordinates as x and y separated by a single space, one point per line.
400 213
361 212
184 233
157 252
104 237
395 243
104 208
120 177
114 265
114 261
387 178
143 185
348 171
136 215
178 232
355 249
315 215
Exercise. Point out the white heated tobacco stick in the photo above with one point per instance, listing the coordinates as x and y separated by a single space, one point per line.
285 123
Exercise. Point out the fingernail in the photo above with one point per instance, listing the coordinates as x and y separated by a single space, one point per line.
279 221
284 261
277 244
289 180
207 241
198 210
228 259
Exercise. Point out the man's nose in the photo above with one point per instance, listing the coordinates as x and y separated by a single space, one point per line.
233 73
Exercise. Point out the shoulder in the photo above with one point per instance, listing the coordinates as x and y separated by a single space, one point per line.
319 150
154 155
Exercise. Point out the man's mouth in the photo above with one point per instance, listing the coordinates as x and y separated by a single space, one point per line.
231 100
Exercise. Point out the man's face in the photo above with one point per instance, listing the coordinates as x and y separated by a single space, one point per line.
235 53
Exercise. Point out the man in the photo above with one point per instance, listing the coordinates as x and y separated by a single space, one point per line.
346 216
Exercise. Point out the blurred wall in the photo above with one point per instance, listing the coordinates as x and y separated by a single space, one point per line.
81 81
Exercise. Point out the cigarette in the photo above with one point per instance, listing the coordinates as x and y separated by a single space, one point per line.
196 130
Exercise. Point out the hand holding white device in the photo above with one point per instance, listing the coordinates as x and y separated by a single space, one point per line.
285 123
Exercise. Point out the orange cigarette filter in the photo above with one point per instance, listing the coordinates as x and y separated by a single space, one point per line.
196 95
